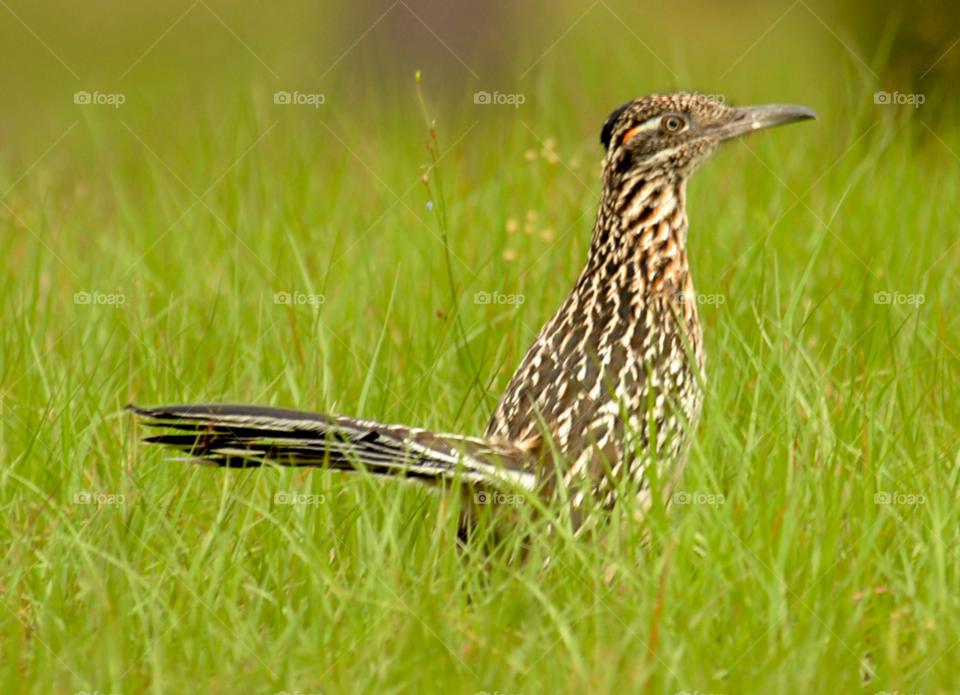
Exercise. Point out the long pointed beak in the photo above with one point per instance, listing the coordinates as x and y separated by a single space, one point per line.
752 118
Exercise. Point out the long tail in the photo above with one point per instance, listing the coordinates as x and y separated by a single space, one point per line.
243 436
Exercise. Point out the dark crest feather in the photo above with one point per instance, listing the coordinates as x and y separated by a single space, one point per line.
607 131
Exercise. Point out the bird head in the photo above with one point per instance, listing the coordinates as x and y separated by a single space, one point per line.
671 135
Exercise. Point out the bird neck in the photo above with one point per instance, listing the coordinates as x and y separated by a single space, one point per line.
642 227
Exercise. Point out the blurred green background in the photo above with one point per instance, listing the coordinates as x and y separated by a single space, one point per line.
168 57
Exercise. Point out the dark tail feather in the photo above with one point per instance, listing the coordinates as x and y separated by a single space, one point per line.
244 436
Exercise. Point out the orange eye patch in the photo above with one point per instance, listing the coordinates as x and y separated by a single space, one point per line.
630 133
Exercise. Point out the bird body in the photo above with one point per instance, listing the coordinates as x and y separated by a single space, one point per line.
612 384
623 350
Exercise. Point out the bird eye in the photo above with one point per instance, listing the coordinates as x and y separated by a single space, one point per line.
672 124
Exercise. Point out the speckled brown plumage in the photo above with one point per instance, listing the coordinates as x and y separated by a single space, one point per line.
611 386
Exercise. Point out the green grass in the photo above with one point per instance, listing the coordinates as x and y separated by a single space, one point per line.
818 398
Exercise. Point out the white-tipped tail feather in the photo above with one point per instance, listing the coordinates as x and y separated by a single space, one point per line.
244 436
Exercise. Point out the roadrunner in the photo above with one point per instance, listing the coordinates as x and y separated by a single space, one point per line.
611 388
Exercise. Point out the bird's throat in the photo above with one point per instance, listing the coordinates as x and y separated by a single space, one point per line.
640 239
